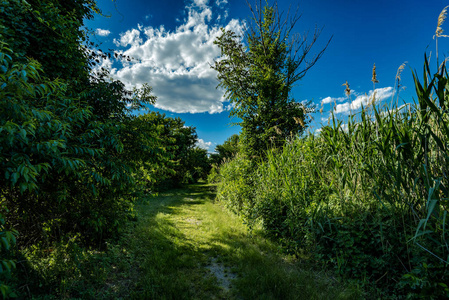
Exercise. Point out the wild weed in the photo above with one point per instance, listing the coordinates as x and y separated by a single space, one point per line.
369 197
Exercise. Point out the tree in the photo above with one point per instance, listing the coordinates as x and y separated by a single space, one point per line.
198 164
227 150
62 131
50 32
258 74
163 152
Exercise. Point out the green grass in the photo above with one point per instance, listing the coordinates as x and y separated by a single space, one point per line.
181 235
186 246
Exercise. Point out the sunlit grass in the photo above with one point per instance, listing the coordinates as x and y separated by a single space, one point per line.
182 234
187 246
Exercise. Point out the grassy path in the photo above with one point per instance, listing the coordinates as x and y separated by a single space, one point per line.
185 246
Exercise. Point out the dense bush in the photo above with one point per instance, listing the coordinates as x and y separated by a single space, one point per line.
236 185
73 157
370 200
164 152
7 263
62 173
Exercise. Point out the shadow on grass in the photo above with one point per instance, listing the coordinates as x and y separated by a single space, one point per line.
173 264
181 243
167 261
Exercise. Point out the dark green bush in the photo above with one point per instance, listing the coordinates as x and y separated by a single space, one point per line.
7 261
236 186
370 201
62 172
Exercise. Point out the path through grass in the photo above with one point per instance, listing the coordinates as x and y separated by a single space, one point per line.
186 246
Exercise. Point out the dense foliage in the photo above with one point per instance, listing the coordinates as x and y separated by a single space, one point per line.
258 75
225 151
370 200
165 152
73 157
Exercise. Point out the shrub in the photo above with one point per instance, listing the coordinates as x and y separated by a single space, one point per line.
236 186
369 200
63 173
7 263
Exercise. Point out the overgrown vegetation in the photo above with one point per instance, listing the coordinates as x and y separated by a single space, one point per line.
368 198
186 246
73 157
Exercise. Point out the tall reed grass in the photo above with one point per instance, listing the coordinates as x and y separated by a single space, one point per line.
369 199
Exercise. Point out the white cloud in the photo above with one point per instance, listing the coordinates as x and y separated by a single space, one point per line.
327 100
201 3
220 2
102 32
130 37
363 100
204 145
344 127
177 63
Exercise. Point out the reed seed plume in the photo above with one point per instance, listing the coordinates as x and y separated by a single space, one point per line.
299 121
348 93
347 90
397 84
441 19
278 131
399 72
374 79
439 31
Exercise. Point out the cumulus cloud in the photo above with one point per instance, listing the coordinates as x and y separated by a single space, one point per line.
102 32
130 37
328 100
204 145
361 100
220 2
177 63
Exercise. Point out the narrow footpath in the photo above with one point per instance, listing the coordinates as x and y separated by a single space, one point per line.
186 246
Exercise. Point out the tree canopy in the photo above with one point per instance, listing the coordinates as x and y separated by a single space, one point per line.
227 150
68 138
258 72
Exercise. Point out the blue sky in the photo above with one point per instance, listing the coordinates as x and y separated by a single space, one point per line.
171 42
